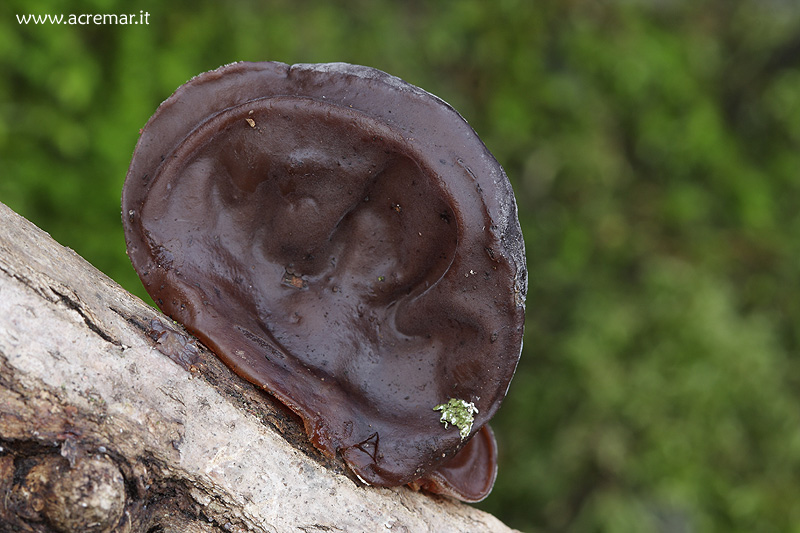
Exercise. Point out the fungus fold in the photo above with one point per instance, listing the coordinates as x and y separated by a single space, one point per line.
343 240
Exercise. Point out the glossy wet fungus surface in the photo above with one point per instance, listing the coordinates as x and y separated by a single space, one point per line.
345 241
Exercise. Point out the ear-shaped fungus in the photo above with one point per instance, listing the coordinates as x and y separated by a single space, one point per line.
345 241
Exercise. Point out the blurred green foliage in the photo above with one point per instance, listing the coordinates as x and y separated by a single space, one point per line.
654 147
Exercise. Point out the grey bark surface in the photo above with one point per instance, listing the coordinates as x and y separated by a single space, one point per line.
112 418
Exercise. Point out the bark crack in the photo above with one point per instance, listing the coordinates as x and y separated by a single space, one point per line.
74 303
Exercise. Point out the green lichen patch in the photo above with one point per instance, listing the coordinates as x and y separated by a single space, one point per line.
459 413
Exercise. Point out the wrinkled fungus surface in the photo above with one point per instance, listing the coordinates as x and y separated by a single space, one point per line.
345 241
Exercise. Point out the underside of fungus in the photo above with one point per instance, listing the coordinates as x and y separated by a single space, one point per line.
345 241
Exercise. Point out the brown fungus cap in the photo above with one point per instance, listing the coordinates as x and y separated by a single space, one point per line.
345 241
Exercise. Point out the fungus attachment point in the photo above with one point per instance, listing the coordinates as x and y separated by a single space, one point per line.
343 240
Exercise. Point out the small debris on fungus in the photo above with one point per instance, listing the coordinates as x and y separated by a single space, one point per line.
459 413
220 212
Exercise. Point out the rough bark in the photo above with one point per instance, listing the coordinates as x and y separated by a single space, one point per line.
112 418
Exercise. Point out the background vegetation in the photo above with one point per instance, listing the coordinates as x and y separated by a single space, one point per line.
654 147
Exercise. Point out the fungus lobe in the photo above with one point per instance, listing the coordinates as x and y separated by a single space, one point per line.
343 240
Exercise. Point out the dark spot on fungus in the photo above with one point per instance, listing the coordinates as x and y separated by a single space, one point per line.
359 320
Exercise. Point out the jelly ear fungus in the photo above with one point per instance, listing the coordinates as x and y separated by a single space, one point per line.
343 240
